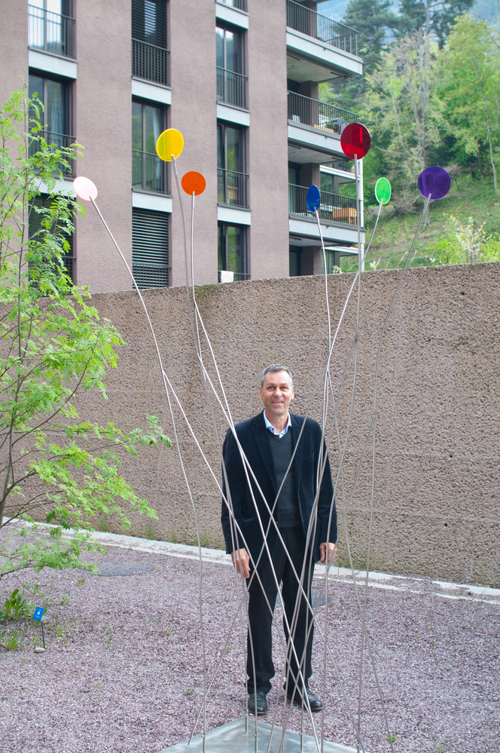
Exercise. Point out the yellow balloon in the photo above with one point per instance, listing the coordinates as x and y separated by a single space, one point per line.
170 144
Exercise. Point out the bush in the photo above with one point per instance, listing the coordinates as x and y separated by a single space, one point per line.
465 243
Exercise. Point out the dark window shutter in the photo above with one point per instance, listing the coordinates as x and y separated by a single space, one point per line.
149 22
150 262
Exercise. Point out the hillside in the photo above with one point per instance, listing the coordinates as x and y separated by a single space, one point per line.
467 198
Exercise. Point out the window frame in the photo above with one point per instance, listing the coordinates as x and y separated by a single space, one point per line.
222 258
231 85
163 177
232 181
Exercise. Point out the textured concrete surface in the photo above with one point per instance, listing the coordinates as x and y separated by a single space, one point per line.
437 436
233 738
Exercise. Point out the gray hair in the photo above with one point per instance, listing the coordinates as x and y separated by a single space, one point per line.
272 369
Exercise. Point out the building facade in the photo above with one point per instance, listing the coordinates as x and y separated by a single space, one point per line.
240 80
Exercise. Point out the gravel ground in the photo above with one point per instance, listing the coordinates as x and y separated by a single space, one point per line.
123 668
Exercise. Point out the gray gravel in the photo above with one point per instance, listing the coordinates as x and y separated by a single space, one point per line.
123 668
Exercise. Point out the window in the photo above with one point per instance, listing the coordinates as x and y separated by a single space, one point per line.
35 227
232 251
55 114
150 265
50 27
231 83
148 170
231 177
149 40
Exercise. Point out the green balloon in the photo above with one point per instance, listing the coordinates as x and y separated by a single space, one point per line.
382 190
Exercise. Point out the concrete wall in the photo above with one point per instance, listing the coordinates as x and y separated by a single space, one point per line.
437 435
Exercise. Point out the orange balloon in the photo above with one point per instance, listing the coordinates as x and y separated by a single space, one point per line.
193 183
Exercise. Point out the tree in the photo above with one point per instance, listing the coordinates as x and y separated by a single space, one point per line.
412 16
405 112
373 19
430 16
53 465
470 84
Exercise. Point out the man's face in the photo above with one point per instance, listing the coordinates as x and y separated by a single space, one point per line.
277 394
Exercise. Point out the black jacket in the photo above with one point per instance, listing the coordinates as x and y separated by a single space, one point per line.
252 516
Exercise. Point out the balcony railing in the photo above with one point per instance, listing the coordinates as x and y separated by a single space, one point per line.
239 4
69 264
232 188
51 32
56 141
148 172
318 114
150 276
320 27
333 207
231 88
150 62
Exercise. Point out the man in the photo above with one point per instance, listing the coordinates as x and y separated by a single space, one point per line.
279 490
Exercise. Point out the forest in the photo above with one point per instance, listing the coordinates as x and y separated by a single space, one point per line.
430 96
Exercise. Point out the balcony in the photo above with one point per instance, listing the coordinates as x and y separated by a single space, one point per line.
318 114
333 207
148 172
319 49
150 62
231 88
51 32
232 188
55 141
320 27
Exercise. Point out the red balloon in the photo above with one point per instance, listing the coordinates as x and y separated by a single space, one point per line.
355 140
193 183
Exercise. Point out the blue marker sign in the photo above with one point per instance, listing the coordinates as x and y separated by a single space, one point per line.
38 613
313 198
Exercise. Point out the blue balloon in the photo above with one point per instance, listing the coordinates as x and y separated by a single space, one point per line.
313 199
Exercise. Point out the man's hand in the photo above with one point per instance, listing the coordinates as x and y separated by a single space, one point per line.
327 550
241 561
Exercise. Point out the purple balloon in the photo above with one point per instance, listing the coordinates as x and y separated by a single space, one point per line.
313 198
434 181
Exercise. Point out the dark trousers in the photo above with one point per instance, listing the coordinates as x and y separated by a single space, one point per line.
259 644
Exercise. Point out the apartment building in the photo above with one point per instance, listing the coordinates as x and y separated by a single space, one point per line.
240 79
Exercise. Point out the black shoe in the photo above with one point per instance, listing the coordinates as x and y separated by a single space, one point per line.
309 702
257 703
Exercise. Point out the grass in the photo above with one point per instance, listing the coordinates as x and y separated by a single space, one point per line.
393 237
